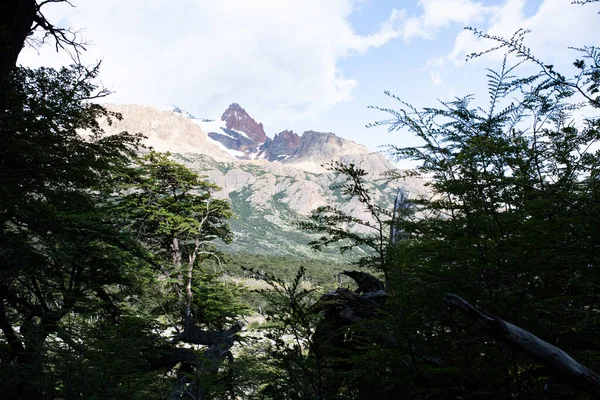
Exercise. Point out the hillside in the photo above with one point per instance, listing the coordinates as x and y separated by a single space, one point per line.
271 182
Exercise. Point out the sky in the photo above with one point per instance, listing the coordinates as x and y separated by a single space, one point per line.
309 64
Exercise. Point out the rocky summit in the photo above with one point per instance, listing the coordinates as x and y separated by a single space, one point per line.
282 147
237 119
271 182
236 131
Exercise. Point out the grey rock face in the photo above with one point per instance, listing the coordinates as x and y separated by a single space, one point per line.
282 147
236 118
269 195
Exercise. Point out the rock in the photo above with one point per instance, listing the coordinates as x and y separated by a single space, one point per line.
269 194
165 130
236 118
283 146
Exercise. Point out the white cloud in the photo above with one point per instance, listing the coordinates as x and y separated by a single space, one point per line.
438 14
441 13
271 55
275 56
436 78
554 26
278 58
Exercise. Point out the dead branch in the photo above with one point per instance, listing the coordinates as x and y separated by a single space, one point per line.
558 361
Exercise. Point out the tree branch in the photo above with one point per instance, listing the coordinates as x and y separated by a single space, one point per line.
558 361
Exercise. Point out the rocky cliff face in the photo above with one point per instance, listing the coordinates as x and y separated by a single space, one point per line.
237 132
282 147
236 118
270 193
166 131
245 139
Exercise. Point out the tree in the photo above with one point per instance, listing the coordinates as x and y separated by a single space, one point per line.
172 211
512 228
59 253
340 228
289 364
66 258
19 20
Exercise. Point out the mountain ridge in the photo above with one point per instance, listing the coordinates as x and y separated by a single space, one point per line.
246 139
268 195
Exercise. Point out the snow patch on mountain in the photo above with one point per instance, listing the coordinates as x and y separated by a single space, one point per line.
165 131
183 112
267 195
214 126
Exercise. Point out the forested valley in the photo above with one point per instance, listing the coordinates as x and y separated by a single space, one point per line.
116 283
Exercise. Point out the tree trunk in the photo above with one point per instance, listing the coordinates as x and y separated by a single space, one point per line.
16 20
559 362
219 345
13 340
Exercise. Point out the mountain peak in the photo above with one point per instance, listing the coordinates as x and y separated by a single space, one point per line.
178 110
281 147
237 119
244 138
235 107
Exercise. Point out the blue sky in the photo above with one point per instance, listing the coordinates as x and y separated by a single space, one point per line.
310 64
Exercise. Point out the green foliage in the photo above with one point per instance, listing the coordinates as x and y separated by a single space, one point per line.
164 200
217 303
110 361
339 227
288 366
74 272
85 228
317 272
248 269
172 211
512 227
60 254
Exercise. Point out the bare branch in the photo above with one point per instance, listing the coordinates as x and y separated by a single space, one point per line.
562 364
65 39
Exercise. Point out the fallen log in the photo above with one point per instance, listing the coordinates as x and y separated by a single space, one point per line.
558 361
